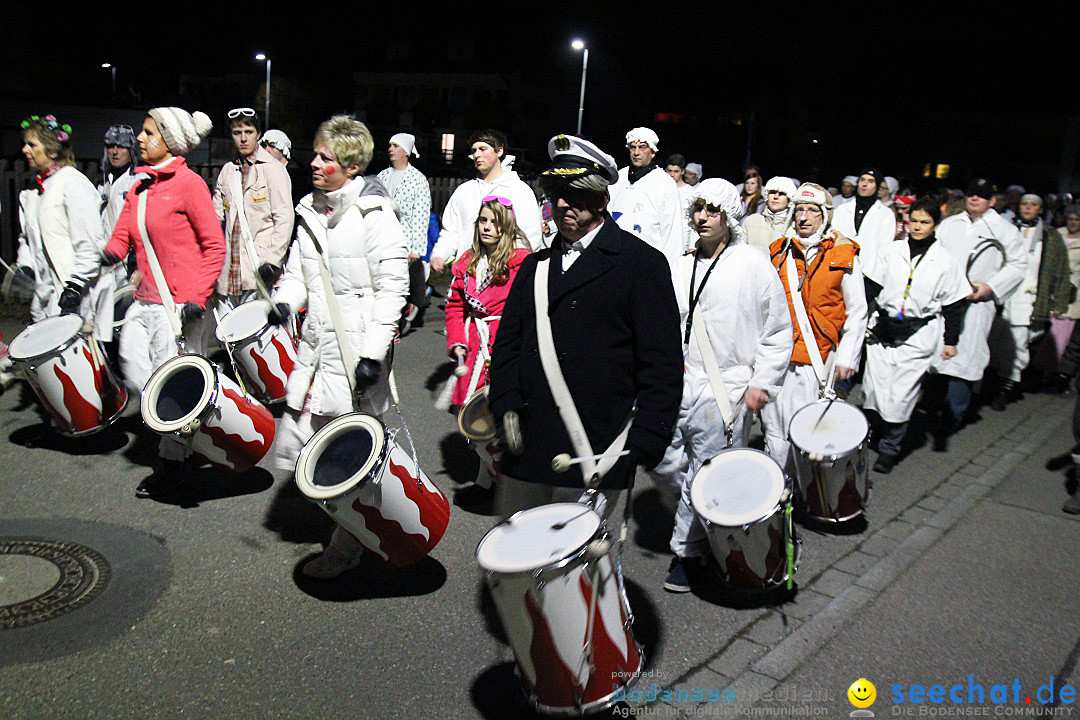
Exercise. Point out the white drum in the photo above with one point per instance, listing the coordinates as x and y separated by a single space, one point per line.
67 370
190 397
264 352
829 442
562 605
354 469
123 297
742 499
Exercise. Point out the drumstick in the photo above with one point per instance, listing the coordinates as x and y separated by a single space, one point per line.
393 387
561 463
461 370
822 416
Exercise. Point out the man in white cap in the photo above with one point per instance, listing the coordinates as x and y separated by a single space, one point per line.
771 223
847 191
963 236
822 277
645 200
692 174
868 222
888 189
488 149
614 337
412 193
253 200
733 307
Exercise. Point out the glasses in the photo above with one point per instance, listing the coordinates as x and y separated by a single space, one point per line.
811 210
240 112
499 199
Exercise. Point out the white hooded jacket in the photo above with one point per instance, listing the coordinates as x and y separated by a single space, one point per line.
368 262
459 217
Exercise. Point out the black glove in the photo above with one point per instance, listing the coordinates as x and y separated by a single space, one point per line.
279 313
71 298
367 372
190 311
269 274
108 259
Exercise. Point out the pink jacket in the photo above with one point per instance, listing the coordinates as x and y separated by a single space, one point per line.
183 228
465 301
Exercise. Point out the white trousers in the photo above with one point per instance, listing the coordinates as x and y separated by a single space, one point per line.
800 388
1010 348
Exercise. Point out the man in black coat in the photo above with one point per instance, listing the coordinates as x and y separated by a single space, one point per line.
615 326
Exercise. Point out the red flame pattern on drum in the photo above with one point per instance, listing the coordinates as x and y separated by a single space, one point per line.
740 571
555 682
270 381
397 545
113 396
610 661
232 445
83 414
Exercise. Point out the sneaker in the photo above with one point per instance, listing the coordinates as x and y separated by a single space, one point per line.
885 463
168 478
1072 505
678 581
1075 455
330 563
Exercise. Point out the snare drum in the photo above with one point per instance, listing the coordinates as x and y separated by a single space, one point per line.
123 297
67 370
829 441
189 396
741 498
474 418
354 469
544 582
264 352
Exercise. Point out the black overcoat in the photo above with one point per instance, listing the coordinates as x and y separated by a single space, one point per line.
615 323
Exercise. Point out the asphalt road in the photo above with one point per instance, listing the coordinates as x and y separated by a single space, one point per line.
965 566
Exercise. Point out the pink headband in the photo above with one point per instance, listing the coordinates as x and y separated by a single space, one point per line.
499 199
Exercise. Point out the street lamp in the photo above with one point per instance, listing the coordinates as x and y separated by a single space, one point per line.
579 45
110 66
266 108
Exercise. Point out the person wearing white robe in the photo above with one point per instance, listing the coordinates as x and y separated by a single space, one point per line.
740 302
960 235
645 200
921 281
868 222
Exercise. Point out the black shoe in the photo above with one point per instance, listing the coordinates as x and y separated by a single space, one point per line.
1072 505
678 580
1000 401
165 480
885 463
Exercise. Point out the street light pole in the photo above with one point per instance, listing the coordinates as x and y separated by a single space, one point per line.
112 67
579 45
266 106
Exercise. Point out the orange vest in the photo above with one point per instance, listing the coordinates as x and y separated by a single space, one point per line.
822 295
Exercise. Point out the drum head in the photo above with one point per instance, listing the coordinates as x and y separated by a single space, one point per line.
474 419
828 428
340 455
737 487
178 392
244 321
535 538
44 336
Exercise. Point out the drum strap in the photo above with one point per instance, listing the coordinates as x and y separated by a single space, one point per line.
155 269
708 355
564 401
801 318
335 310
237 191
483 357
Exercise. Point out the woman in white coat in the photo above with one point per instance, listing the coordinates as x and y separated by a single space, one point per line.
350 221
62 238
920 307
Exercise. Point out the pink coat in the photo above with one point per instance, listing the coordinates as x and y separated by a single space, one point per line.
466 301
184 229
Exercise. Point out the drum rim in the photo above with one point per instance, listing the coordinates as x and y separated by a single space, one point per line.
461 414
305 462
28 359
570 558
837 455
152 390
600 703
125 290
250 336
779 501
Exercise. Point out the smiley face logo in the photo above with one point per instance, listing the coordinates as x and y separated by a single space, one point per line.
862 693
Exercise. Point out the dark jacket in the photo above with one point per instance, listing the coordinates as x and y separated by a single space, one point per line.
1055 290
615 323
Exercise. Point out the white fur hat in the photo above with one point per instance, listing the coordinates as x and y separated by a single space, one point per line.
406 142
645 135
180 129
781 184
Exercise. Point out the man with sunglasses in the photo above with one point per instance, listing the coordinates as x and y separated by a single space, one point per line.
253 199
614 324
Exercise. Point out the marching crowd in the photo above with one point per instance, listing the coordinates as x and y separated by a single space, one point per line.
650 320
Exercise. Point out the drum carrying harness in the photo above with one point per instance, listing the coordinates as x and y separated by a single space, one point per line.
708 355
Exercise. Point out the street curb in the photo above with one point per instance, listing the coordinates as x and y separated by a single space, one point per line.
811 635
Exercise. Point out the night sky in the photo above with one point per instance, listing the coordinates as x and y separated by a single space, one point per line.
896 87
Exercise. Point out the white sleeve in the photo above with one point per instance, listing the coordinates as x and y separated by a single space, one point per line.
1006 280
454 225
25 256
527 214
292 290
854 332
82 202
775 345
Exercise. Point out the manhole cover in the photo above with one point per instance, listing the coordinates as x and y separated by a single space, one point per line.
43 579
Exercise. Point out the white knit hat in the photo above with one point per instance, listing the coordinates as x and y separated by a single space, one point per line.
406 142
280 140
180 129
645 135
